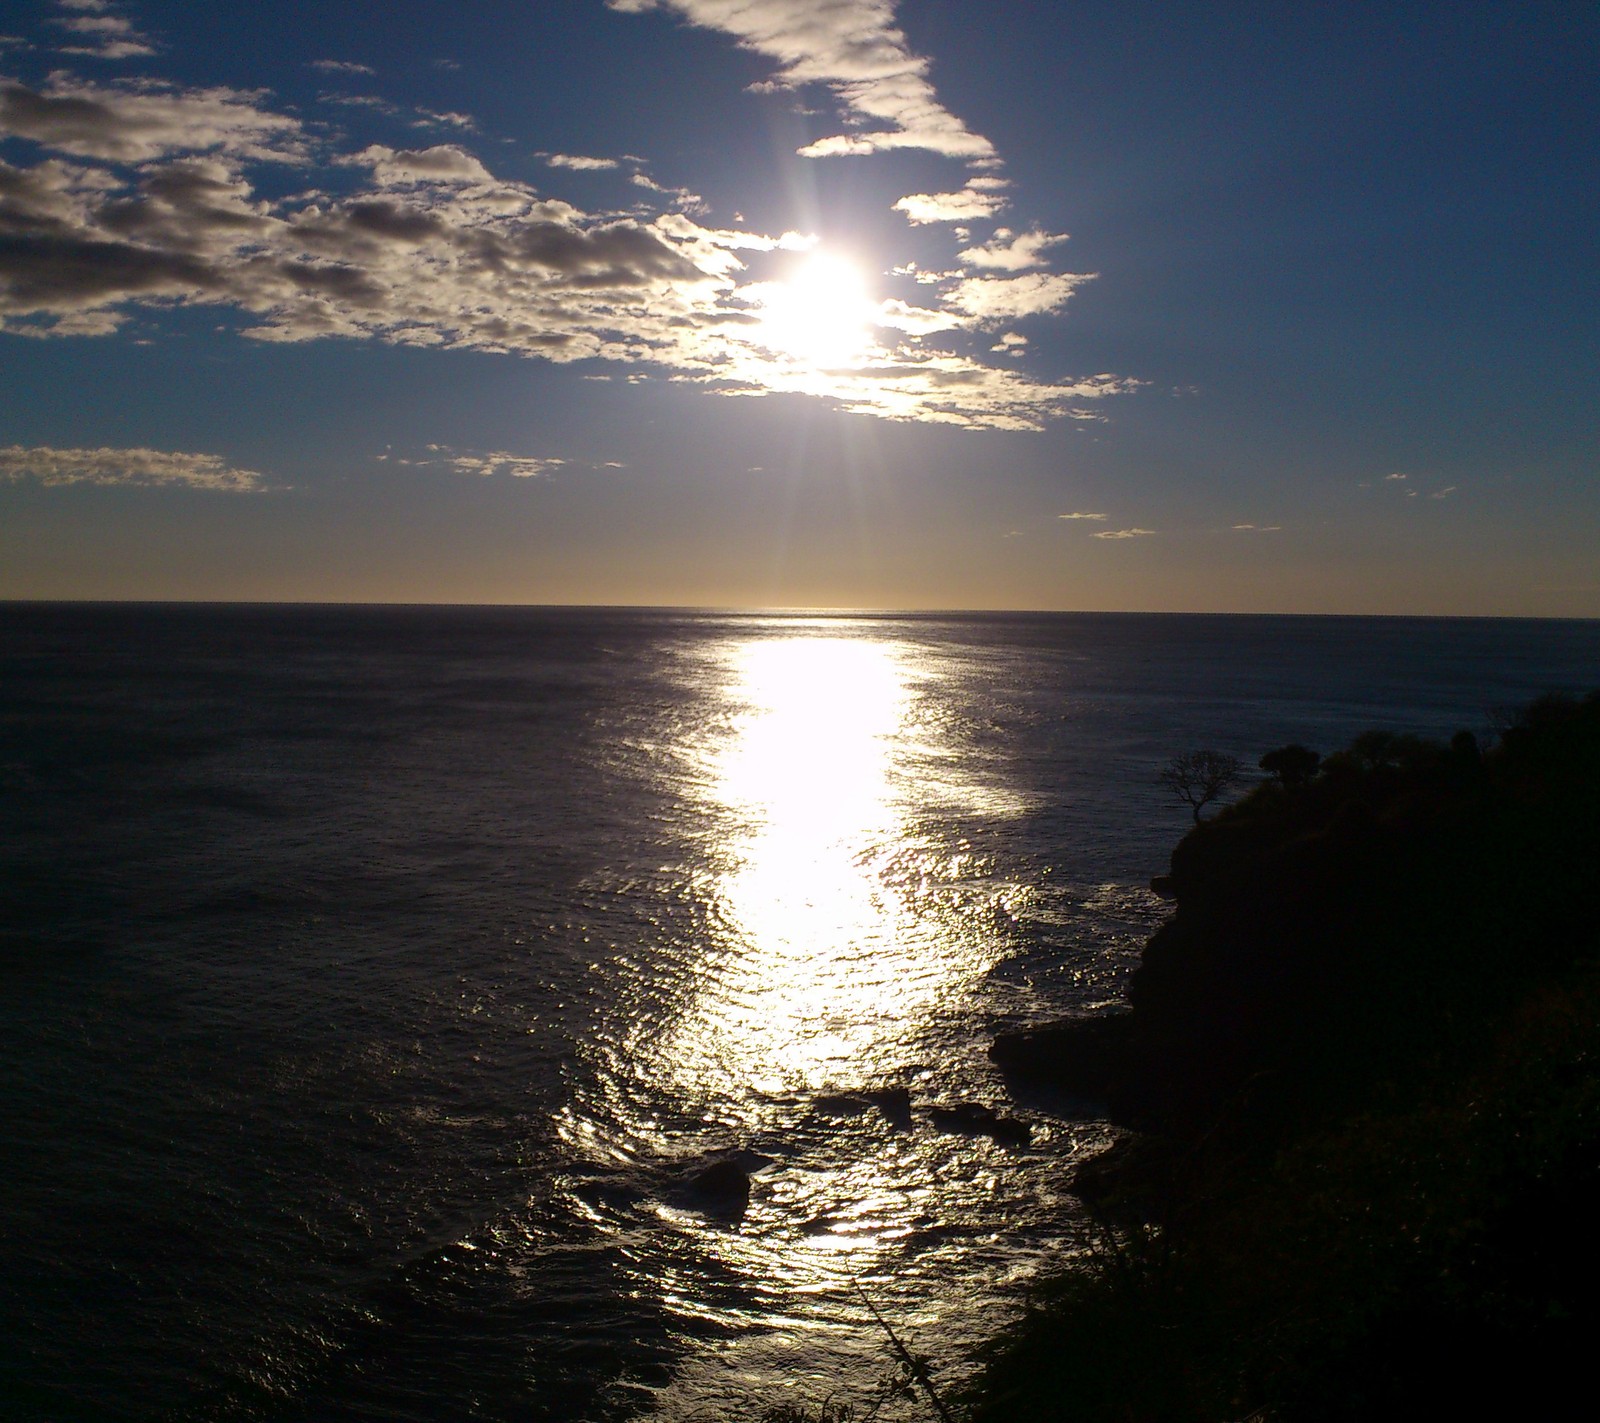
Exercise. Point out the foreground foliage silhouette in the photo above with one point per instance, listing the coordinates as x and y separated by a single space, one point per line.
1363 1062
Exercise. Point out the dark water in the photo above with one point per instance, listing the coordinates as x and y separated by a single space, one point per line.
375 979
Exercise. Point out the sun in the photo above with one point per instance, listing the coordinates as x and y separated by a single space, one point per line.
820 314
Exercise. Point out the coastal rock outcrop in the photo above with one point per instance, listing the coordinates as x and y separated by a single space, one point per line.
1364 1057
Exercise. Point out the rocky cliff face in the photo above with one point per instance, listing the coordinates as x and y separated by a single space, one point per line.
1365 1056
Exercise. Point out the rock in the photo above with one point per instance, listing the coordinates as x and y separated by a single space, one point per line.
839 1104
975 1119
894 1103
1085 1057
722 1187
1162 885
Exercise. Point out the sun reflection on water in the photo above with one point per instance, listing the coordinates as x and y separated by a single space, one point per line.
823 960
845 928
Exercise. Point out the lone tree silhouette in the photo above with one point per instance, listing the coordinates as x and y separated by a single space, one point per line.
1199 777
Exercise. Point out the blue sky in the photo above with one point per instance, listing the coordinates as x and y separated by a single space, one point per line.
802 303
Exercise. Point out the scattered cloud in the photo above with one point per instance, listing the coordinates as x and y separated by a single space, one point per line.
363 101
578 162
447 118
140 467
479 462
139 121
407 167
1101 518
967 205
1258 528
1011 344
1124 533
99 33
852 49
681 197
1388 478
340 66
144 198
1012 252
1444 493
1007 298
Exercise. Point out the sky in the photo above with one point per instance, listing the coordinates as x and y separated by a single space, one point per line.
803 303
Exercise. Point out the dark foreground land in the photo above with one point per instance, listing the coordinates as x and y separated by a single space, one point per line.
1361 1065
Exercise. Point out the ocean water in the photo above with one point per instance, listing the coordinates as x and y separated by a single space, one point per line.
373 982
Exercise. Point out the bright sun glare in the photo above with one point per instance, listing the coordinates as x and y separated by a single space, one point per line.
820 314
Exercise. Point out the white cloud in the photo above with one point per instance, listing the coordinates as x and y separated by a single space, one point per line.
967 205
147 468
1258 528
1444 493
1100 518
1007 298
851 48
898 315
339 66
101 34
147 202
447 118
1388 477
1124 533
1012 252
485 463
578 161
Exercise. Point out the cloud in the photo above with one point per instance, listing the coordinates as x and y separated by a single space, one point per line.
145 200
1098 517
1444 493
851 48
447 118
1389 477
1124 533
403 167
140 467
339 66
968 205
578 162
1258 528
138 121
1011 344
1012 252
681 197
1007 298
482 463
102 35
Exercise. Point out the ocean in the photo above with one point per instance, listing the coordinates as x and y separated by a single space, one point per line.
374 982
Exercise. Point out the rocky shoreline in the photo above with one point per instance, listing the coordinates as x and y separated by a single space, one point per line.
1361 1068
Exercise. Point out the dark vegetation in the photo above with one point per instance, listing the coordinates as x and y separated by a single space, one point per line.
1199 777
1361 1063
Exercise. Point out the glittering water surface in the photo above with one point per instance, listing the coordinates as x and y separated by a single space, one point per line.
378 982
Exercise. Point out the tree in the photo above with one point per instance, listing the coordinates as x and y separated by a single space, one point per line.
1199 777
1293 765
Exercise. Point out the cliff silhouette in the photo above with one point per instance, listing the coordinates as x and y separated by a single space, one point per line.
1360 1068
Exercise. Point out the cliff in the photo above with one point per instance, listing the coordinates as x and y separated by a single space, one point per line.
1362 1060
